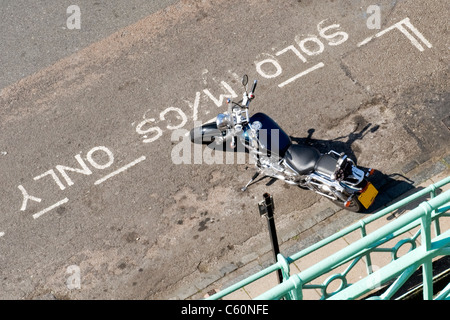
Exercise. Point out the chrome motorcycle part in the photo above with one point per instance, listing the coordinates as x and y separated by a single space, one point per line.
223 121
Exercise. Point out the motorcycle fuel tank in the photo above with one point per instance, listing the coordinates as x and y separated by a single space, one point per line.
270 134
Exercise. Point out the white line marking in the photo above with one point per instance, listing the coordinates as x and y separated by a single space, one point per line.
211 120
301 74
379 34
401 27
365 41
194 106
27 197
2 234
40 213
124 168
417 33
411 38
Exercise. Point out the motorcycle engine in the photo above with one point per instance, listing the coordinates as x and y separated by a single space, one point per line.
273 166
269 166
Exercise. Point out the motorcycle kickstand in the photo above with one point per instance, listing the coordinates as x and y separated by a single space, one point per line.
251 180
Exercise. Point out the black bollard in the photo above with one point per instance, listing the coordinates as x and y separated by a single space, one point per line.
266 208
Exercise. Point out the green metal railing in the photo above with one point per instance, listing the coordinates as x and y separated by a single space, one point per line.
424 248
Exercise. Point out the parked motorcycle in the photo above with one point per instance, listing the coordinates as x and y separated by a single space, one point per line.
332 175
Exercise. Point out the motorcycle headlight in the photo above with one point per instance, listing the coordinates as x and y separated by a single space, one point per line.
222 121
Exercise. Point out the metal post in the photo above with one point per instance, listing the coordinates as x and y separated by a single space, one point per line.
266 208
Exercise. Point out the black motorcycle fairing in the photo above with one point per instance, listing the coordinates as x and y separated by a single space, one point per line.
269 128
205 133
302 158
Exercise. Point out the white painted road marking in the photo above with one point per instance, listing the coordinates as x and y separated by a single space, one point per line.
2 234
404 26
400 26
301 74
124 168
40 213
27 197
65 200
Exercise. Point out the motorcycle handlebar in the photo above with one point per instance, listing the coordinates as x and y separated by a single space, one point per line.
254 86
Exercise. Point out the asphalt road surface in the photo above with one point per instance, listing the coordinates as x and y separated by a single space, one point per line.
93 204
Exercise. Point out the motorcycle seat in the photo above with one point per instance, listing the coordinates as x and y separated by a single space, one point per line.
326 165
302 158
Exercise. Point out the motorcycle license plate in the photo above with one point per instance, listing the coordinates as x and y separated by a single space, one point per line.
368 196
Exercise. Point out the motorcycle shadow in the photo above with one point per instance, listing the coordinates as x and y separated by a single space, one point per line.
390 186
338 144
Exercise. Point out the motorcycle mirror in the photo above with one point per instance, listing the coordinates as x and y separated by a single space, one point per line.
374 128
244 80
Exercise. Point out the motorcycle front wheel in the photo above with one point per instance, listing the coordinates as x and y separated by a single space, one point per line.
205 134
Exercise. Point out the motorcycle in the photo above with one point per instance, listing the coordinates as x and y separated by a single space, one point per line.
332 175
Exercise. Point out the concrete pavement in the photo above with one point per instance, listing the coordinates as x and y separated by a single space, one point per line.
110 108
422 176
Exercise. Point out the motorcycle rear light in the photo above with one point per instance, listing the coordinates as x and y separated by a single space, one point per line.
370 172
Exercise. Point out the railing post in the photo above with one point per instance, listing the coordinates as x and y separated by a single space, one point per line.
427 267
368 259
283 264
437 227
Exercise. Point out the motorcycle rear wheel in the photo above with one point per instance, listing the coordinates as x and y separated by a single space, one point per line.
354 205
